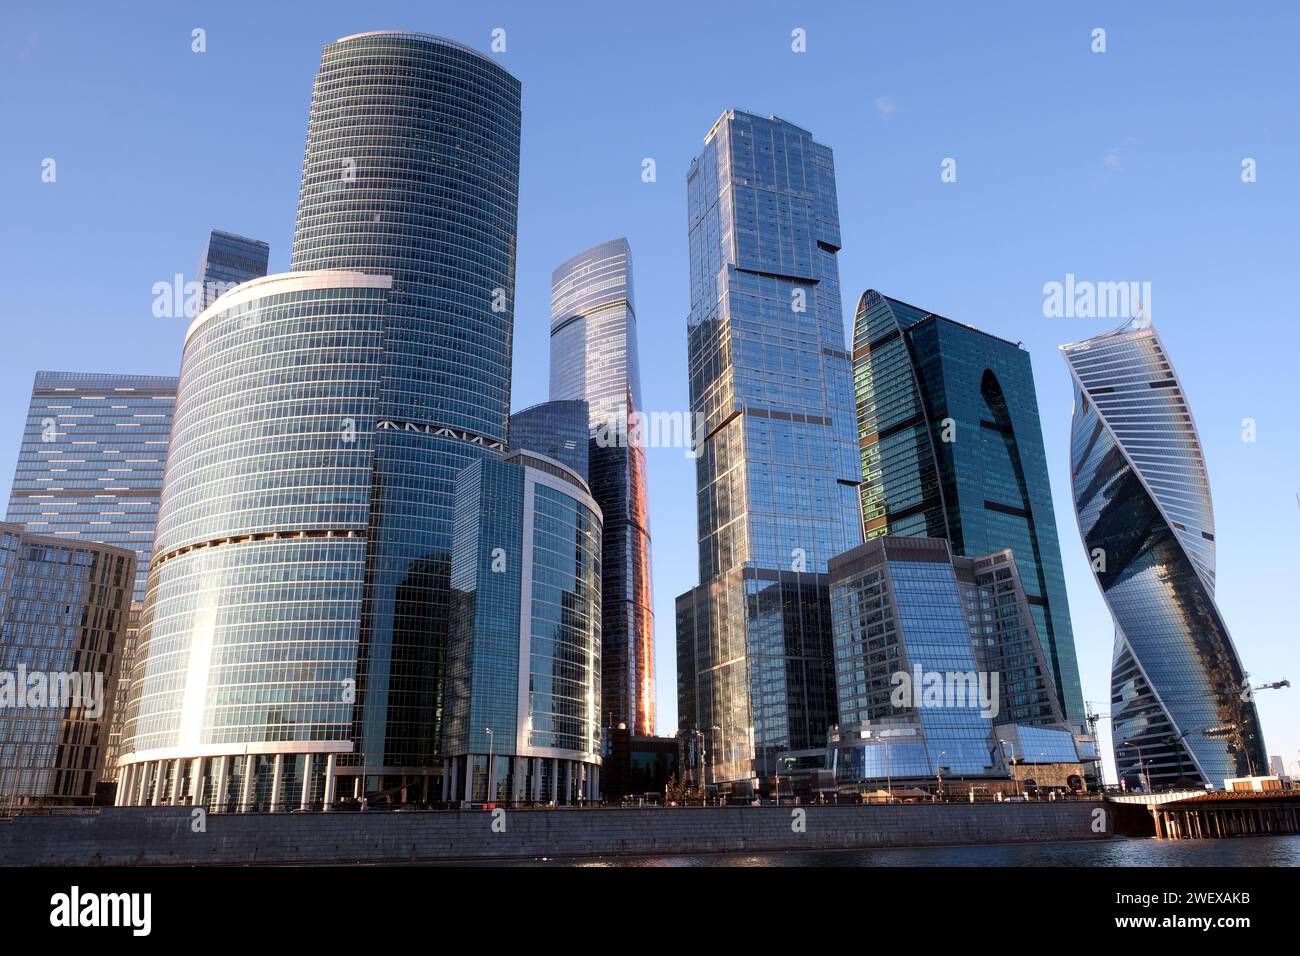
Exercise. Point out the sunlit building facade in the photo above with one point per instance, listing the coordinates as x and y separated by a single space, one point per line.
1181 708
524 658
940 672
594 358
90 468
777 471
951 447
295 634
64 608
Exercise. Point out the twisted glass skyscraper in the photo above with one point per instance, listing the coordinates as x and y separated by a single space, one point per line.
594 358
298 612
777 472
1180 702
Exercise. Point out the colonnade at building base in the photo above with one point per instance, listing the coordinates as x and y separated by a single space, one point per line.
284 782
526 780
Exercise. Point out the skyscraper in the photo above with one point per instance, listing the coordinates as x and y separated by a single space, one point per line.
952 448
227 260
777 474
1181 709
298 615
90 468
523 689
594 358
555 429
64 604
938 666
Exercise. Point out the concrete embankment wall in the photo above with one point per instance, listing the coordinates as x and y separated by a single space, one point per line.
167 835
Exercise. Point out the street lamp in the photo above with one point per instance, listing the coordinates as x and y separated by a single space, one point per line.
1142 764
1008 743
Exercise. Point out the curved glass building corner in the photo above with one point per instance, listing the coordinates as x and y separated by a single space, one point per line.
246 663
1180 707
300 595
524 658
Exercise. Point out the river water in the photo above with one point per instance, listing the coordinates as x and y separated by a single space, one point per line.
1242 851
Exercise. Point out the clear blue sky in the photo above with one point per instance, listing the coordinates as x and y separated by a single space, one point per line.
1116 166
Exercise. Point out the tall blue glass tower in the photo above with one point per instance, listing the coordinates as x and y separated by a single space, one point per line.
777 474
1181 708
295 634
594 359
952 447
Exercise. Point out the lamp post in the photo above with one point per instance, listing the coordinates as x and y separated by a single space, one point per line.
1142 764
1008 743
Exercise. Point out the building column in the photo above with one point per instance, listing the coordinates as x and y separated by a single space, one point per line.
594 795
536 795
446 779
196 782
219 786
176 782
468 793
160 774
329 781
123 785
555 779
305 797
246 785
277 781
141 797
489 793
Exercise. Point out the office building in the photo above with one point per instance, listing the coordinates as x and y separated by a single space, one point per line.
64 604
90 468
295 633
952 447
555 429
940 672
594 358
777 471
1181 708
227 260
523 691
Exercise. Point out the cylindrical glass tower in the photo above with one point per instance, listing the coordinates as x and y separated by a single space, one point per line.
403 262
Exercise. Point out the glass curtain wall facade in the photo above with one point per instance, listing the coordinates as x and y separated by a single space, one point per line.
777 472
90 468
412 170
227 260
594 358
313 636
64 605
524 659
1006 640
951 447
247 661
899 609
556 430
1180 708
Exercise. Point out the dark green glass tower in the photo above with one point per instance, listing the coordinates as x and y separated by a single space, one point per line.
952 448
